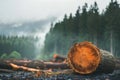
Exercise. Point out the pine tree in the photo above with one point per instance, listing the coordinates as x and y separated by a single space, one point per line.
112 21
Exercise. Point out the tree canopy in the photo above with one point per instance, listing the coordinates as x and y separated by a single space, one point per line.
103 29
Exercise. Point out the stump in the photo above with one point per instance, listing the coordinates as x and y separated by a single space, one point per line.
86 58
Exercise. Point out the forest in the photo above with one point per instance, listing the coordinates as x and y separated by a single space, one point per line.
17 47
78 47
88 24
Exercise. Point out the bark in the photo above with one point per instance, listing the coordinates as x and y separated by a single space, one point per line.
107 63
6 67
38 64
39 72
86 58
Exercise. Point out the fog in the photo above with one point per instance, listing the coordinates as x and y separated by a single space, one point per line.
29 28
33 17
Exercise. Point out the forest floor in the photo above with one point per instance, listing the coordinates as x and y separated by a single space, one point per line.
22 75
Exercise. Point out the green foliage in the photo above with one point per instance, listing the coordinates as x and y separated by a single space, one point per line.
15 55
4 56
101 29
24 45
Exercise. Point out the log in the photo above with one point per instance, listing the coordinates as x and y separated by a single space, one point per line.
5 64
86 58
58 58
83 58
39 72
38 64
117 66
6 71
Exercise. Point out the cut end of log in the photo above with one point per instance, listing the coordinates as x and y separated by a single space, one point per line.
84 58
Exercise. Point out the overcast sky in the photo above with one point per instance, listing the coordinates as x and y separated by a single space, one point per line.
30 10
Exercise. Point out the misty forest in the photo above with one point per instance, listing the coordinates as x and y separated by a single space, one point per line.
87 24
79 45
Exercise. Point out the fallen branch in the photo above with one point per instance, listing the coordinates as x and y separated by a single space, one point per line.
41 72
16 67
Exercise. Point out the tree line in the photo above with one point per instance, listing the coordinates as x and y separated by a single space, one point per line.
88 24
17 47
